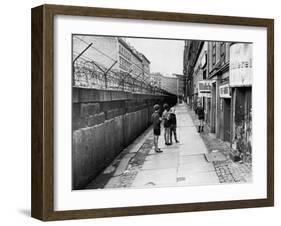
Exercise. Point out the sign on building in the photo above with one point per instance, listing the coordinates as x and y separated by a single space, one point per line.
240 69
224 91
204 89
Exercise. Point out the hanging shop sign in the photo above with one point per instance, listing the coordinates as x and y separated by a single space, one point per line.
225 91
240 70
204 89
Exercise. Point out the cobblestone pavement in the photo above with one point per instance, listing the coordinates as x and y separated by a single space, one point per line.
227 170
231 172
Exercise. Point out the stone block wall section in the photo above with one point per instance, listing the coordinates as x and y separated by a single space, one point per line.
103 124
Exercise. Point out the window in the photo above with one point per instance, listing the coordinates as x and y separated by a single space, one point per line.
204 74
213 53
222 51
122 63
124 52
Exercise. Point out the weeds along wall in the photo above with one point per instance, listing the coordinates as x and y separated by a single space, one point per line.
104 122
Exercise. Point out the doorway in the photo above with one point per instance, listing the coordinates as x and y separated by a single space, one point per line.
227 118
214 108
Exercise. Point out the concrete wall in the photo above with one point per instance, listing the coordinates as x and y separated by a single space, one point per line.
103 124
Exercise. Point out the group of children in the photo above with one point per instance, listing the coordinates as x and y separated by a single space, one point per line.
169 122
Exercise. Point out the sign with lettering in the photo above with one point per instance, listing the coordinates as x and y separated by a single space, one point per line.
204 89
240 69
225 91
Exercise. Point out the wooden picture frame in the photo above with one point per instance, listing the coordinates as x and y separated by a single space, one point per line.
43 112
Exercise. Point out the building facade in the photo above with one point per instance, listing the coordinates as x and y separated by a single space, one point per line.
170 84
112 53
131 57
192 50
145 65
240 82
173 84
218 74
156 78
180 86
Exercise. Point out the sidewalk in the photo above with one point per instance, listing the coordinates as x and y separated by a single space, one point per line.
181 164
227 170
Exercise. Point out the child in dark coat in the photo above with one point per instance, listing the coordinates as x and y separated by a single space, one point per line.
201 116
156 121
173 125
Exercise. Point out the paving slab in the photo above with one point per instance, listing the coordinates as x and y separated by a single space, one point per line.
200 178
160 161
186 169
195 159
156 178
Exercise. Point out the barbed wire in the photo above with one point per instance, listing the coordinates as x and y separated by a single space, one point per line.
89 73
104 54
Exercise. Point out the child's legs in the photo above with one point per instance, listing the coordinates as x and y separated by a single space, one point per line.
166 134
172 128
171 133
155 141
169 139
175 133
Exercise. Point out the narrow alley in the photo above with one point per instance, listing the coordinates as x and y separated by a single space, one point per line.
180 164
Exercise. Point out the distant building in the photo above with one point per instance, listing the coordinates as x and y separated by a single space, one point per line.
145 64
156 78
130 59
107 50
180 84
170 84
173 84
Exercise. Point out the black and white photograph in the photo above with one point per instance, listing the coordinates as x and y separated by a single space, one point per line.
152 112
121 113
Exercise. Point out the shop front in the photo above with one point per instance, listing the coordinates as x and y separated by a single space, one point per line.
240 81
204 96
225 112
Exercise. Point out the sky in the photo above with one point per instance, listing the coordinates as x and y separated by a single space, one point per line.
165 56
